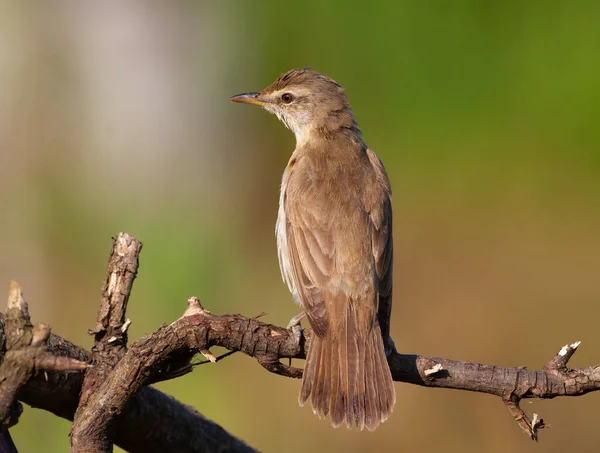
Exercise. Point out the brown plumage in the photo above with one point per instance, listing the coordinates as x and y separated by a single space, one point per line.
334 236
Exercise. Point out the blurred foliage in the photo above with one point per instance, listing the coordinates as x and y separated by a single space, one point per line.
114 117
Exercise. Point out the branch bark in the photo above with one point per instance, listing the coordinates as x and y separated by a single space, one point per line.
121 407
25 353
198 330
94 428
110 343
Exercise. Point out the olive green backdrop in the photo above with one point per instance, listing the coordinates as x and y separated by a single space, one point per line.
114 116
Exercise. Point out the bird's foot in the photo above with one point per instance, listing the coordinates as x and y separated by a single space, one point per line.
295 326
295 321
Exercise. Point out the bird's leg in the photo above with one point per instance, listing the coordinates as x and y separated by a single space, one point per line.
295 326
295 321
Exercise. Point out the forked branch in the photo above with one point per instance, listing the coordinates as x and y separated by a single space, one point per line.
118 406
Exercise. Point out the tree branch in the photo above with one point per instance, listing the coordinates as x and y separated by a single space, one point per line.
110 343
201 330
94 426
123 407
25 353
198 330
152 422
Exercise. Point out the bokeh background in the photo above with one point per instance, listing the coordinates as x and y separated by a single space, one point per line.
114 116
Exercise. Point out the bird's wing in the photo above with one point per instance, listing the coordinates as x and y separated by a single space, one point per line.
311 254
310 242
382 243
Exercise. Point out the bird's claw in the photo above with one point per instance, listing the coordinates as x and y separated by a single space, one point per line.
295 321
295 326
297 331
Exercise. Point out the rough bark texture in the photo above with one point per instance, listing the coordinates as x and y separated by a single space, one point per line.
24 353
94 428
110 342
118 406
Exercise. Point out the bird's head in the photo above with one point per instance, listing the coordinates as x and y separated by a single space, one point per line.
306 102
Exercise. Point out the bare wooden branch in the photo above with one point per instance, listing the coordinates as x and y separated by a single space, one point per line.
122 269
268 344
152 422
110 340
151 357
93 427
124 409
25 353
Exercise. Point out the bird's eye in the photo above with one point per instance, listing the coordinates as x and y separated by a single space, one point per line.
287 97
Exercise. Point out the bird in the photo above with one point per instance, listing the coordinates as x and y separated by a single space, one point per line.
335 248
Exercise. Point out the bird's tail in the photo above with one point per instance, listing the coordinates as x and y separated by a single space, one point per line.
347 375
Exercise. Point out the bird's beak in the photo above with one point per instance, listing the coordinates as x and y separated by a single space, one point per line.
247 98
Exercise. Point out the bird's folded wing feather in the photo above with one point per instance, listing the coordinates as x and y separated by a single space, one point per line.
382 243
311 252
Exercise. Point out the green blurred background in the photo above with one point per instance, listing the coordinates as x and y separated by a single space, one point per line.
114 116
